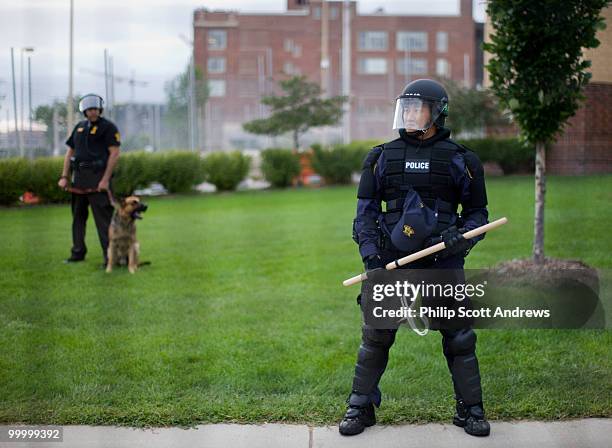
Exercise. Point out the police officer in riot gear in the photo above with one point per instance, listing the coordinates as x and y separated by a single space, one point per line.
445 175
93 150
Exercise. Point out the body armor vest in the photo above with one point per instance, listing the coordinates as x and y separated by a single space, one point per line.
424 169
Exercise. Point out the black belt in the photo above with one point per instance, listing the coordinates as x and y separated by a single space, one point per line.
91 164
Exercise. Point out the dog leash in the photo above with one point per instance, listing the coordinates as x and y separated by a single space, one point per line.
77 190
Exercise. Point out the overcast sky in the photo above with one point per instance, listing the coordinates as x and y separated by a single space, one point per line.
142 36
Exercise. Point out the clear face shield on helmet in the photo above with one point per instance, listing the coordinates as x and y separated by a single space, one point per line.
90 102
415 114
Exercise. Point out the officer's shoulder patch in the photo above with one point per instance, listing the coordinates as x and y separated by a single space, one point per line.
80 129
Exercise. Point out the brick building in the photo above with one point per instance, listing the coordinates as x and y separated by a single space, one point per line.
585 145
245 55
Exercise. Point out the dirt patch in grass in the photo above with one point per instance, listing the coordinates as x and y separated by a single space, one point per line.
550 272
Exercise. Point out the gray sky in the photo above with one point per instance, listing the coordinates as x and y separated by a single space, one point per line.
142 36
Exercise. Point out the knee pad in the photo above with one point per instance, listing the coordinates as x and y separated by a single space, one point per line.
372 359
374 348
462 342
378 338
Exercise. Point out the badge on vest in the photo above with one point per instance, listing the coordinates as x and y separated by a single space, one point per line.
416 166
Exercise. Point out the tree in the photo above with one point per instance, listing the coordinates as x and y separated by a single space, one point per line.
537 71
44 114
177 100
300 109
472 109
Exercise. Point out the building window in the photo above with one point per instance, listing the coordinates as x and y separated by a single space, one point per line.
333 13
316 12
217 39
412 66
372 66
290 69
441 41
216 87
373 40
215 65
291 47
442 67
412 40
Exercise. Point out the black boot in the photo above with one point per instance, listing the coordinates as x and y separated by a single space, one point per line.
359 415
471 419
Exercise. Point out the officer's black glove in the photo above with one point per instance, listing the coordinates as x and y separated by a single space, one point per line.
455 242
373 263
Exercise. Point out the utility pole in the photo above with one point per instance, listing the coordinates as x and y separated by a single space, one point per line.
106 79
21 91
21 124
56 144
69 111
30 90
346 70
192 104
324 57
325 49
111 99
17 133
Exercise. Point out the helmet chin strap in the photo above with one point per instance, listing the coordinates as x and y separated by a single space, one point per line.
417 132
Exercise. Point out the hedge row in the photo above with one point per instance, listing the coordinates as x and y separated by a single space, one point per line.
511 155
180 171
177 171
336 163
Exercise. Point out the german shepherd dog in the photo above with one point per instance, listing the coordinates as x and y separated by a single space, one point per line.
122 242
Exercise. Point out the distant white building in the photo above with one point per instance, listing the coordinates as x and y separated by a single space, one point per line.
34 139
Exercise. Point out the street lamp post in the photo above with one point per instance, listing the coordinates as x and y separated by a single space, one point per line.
69 111
192 104
21 89
30 91
17 133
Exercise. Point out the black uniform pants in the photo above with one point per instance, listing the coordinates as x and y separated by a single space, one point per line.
102 212
458 346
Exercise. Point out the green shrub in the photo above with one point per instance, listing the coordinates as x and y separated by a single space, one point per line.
280 166
133 171
363 147
512 155
226 170
13 175
178 171
336 164
43 175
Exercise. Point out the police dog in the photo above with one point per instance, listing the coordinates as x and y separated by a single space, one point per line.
122 242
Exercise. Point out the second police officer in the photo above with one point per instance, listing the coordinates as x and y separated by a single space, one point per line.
445 175
93 151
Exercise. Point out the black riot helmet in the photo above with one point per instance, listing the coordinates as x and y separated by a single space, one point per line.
416 95
91 101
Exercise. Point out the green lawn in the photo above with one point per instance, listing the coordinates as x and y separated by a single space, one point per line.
242 317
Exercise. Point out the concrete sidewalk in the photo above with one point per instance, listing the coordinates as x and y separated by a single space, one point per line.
591 433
